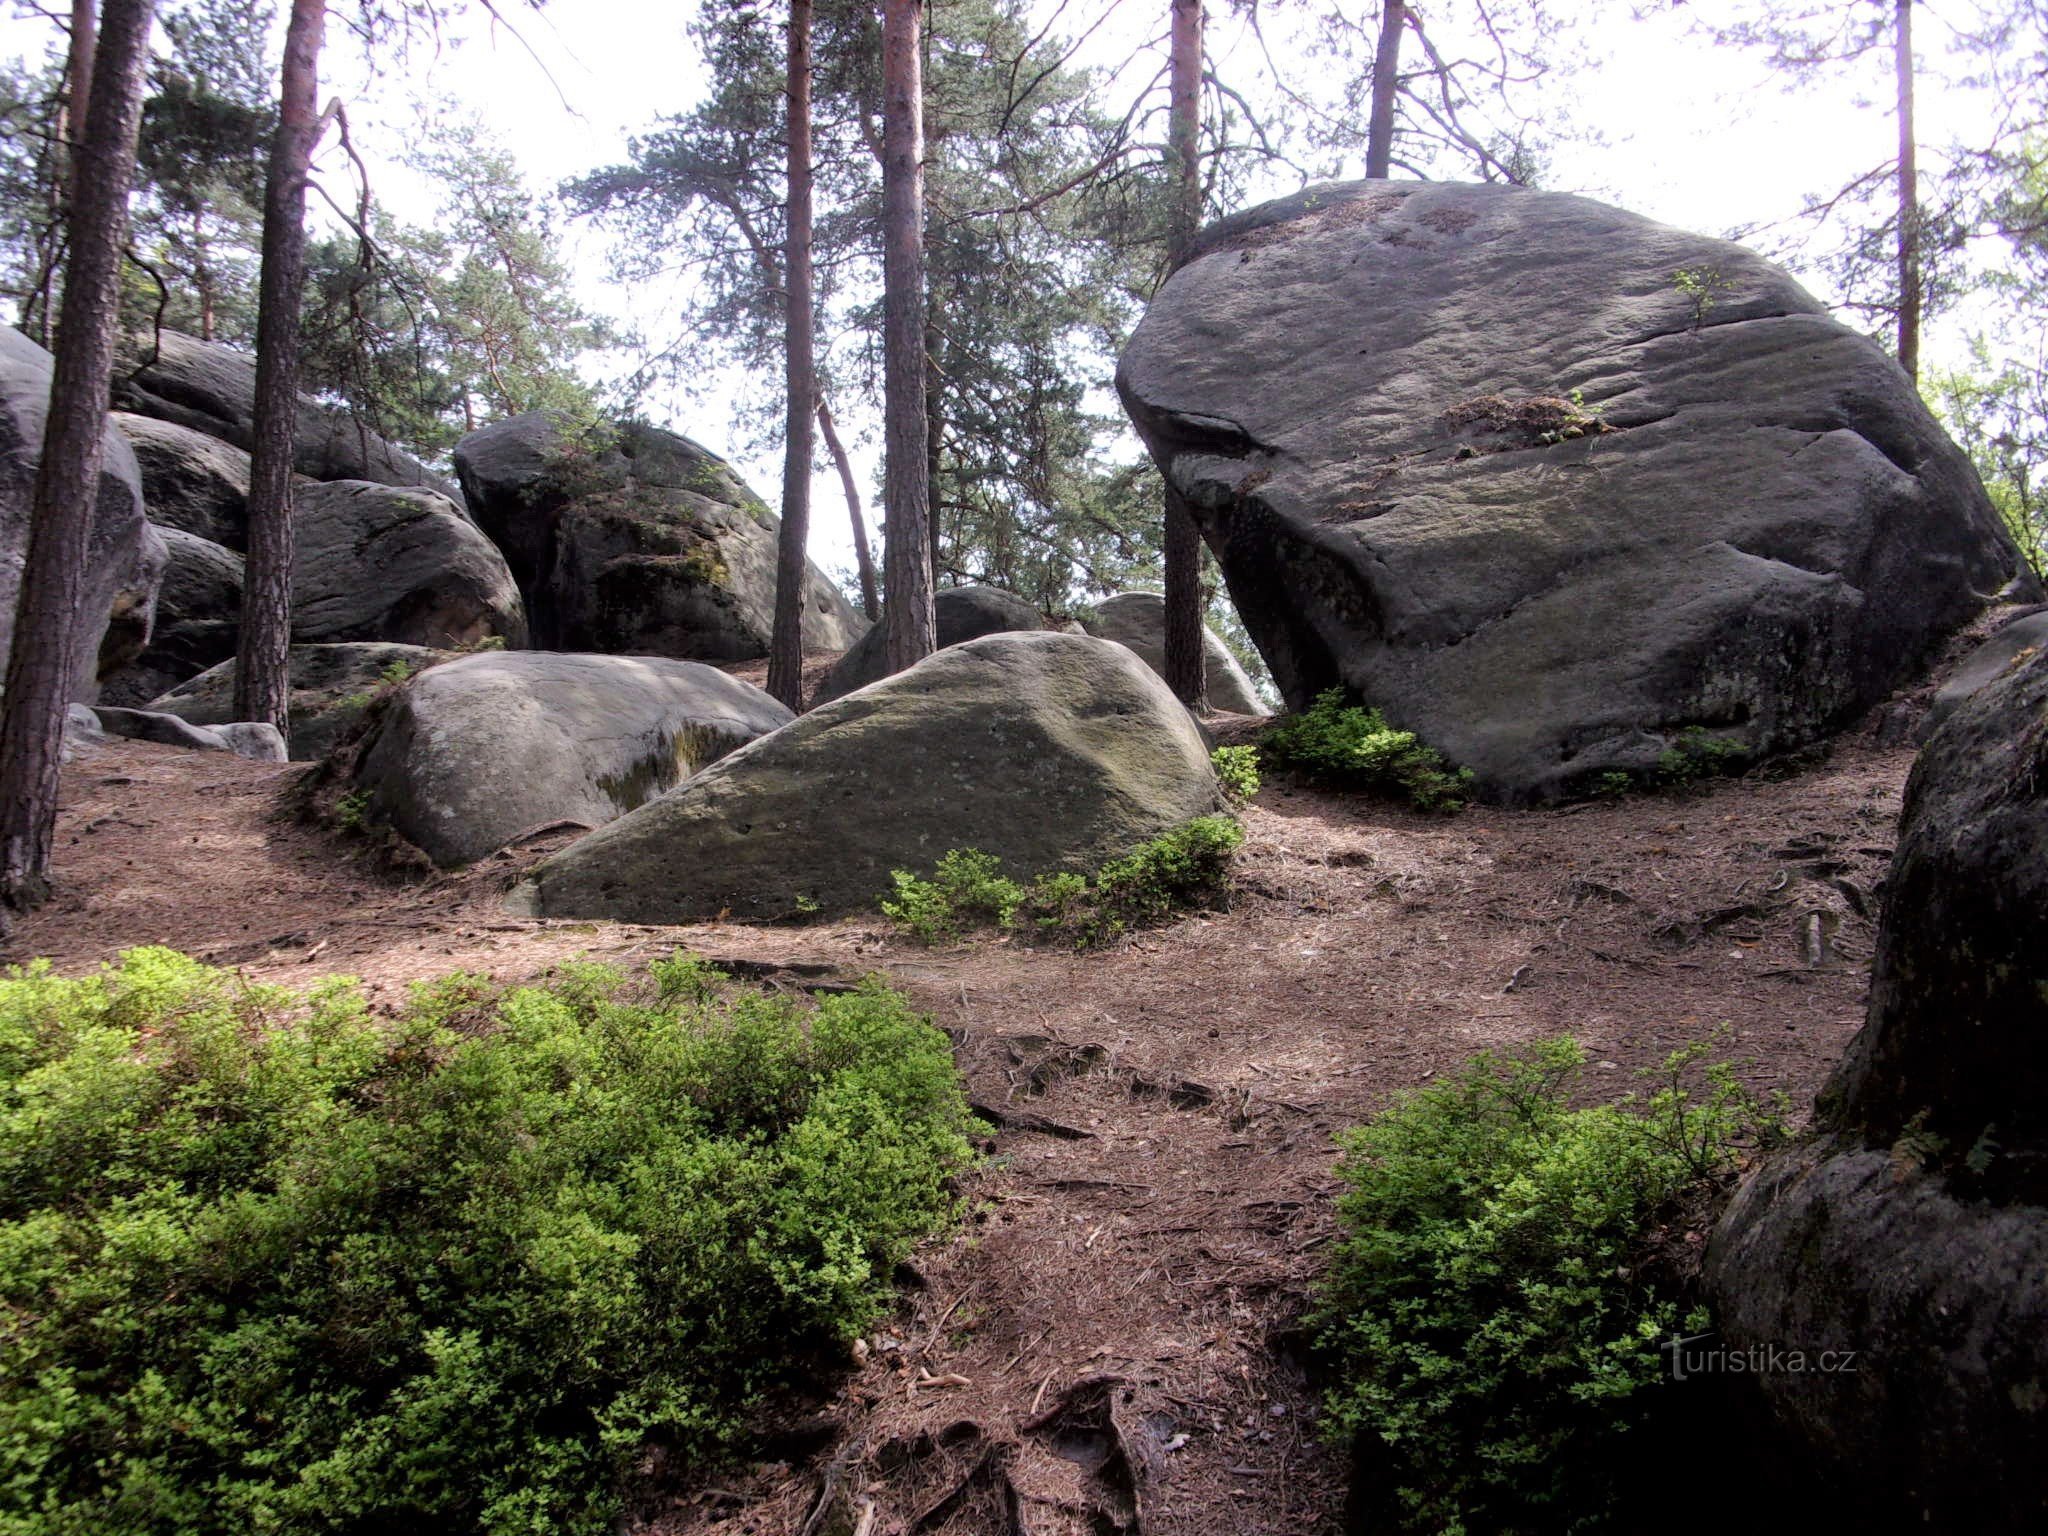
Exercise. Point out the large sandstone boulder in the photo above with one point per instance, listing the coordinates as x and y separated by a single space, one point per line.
198 620
2009 646
963 613
646 544
1051 751
377 562
1549 483
1138 620
1914 1231
211 389
125 558
191 482
331 686
468 756
255 739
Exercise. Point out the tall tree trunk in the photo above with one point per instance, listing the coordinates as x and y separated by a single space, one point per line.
263 660
907 552
870 594
44 659
786 646
78 67
1183 551
1909 199
1386 74
934 433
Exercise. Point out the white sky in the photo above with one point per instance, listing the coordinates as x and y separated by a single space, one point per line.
1708 139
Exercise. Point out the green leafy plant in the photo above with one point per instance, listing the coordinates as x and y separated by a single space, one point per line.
1184 868
272 1263
483 643
1237 770
1354 748
1701 286
1698 753
1491 1318
352 811
397 672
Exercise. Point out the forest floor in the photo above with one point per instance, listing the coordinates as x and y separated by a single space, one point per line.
1110 1343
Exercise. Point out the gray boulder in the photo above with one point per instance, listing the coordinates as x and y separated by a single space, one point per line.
331 686
1549 483
125 557
2008 647
963 613
1914 1230
377 562
256 739
1138 620
198 620
643 544
211 389
191 482
468 756
1051 751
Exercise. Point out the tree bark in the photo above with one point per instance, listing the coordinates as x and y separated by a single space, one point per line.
44 658
786 645
1183 542
263 661
870 594
912 632
1386 75
78 67
1909 199
934 434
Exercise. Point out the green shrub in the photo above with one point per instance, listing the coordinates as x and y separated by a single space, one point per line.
1187 867
396 673
1490 1319
352 811
268 1263
1354 748
1237 770
1699 754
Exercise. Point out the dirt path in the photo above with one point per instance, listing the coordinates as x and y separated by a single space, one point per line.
1108 1345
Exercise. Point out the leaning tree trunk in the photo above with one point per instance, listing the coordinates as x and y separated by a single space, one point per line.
870 592
1183 552
786 646
1386 75
1909 199
912 632
263 660
45 656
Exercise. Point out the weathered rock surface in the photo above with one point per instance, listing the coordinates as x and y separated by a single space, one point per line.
468 756
191 482
377 562
2007 647
211 389
198 619
125 559
1138 620
963 613
1367 393
1051 751
1915 1230
331 685
257 739
648 545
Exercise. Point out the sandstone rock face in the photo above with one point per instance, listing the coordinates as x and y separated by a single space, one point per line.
648 545
257 739
331 685
1138 620
963 613
2010 646
125 561
378 562
211 389
191 482
468 756
1051 751
1549 483
198 619
1915 1231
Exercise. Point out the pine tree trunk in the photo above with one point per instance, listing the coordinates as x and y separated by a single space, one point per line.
907 552
1386 74
786 647
934 435
44 658
1909 199
1183 551
78 67
263 661
870 593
